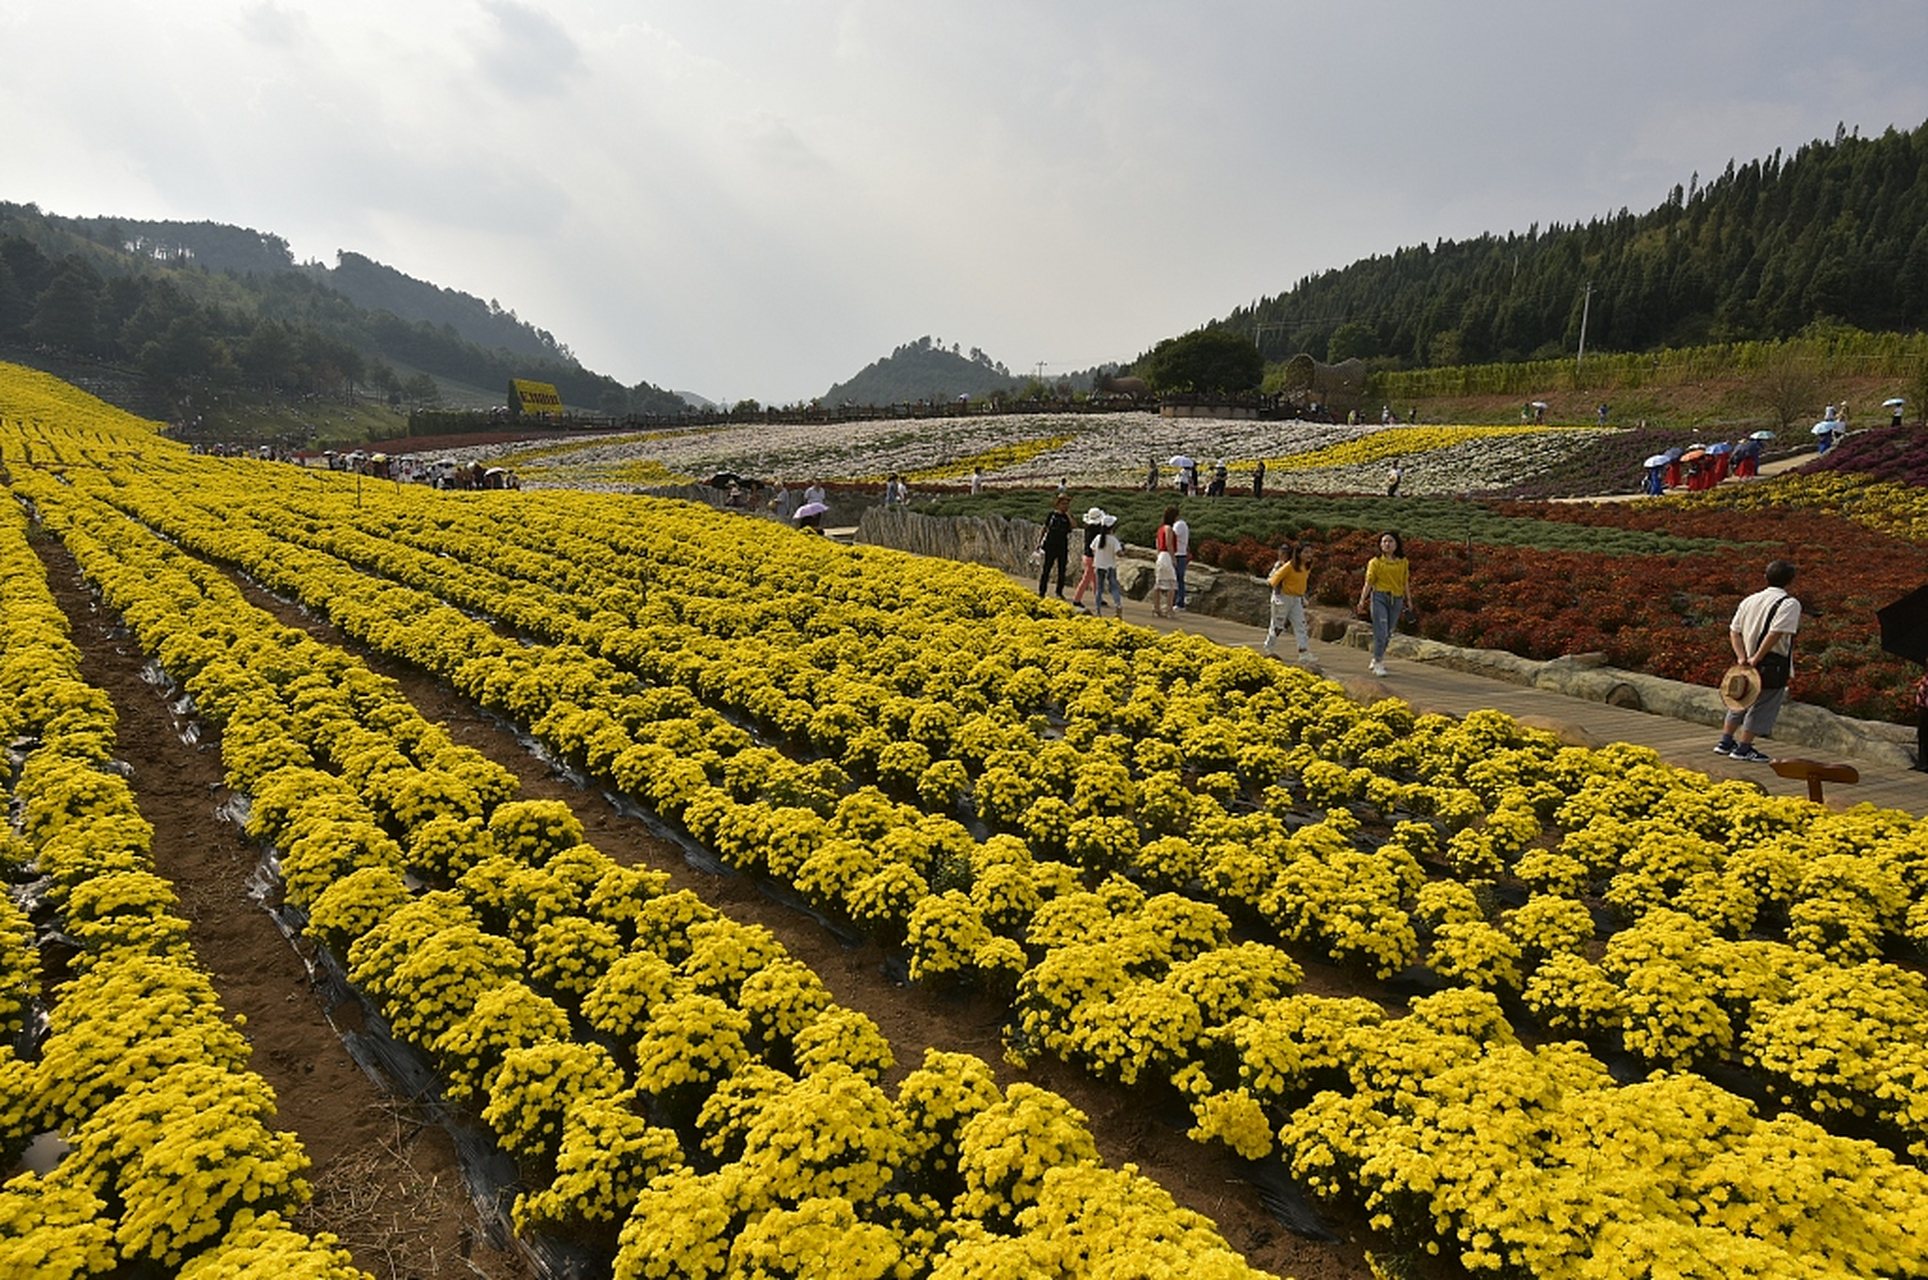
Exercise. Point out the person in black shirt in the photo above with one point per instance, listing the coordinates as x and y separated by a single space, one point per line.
1055 542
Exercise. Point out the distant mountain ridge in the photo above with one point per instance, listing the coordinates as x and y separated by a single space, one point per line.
188 301
923 370
218 247
1836 233
370 284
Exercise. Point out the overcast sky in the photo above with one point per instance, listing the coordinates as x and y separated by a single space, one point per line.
757 199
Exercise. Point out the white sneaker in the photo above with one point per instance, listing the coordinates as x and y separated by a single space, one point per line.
1379 668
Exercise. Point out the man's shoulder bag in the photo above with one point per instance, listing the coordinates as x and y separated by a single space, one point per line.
1775 668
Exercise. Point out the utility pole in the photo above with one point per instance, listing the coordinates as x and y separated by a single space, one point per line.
1585 306
1261 328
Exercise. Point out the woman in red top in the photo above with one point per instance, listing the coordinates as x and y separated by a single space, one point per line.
1165 581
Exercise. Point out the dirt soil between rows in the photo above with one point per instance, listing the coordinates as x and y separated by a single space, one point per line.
386 1178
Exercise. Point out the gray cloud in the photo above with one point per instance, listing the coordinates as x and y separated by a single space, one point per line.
528 52
275 25
757 202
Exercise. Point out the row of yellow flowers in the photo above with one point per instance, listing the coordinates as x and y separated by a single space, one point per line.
595 944
1477 952
1888 506
1845 907
39 412
1015 454
1597 804
590 589
1399 442
172 1162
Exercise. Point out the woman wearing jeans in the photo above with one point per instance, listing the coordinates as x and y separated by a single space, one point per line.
1388 593
1104 560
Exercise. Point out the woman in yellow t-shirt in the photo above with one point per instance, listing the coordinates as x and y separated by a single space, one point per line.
1387 593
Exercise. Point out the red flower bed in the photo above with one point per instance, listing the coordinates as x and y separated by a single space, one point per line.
1666 615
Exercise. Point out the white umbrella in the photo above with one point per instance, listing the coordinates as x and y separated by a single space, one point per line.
1894 403
809 509
1821 428
1658 460
1539 404
1179 460
1762 435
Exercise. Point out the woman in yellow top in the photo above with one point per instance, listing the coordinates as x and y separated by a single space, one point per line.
1387 592
1288 580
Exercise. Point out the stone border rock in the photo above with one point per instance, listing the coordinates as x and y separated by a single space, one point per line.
1587 677
997 541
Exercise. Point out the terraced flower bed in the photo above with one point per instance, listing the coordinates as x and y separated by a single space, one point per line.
1670 1026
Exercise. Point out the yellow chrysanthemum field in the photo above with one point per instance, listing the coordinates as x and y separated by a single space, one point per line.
599 818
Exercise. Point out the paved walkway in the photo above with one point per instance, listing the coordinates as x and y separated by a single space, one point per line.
1428 687
1433 688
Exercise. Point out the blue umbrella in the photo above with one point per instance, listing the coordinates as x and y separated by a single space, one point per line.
1673 454
1722 447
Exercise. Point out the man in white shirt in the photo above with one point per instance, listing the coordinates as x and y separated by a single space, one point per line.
1762 637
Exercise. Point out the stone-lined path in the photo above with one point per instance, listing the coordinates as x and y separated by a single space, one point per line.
1429 687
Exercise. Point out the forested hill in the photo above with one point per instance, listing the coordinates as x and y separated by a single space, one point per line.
1836 232
370 284
923 370
209 305
218 248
